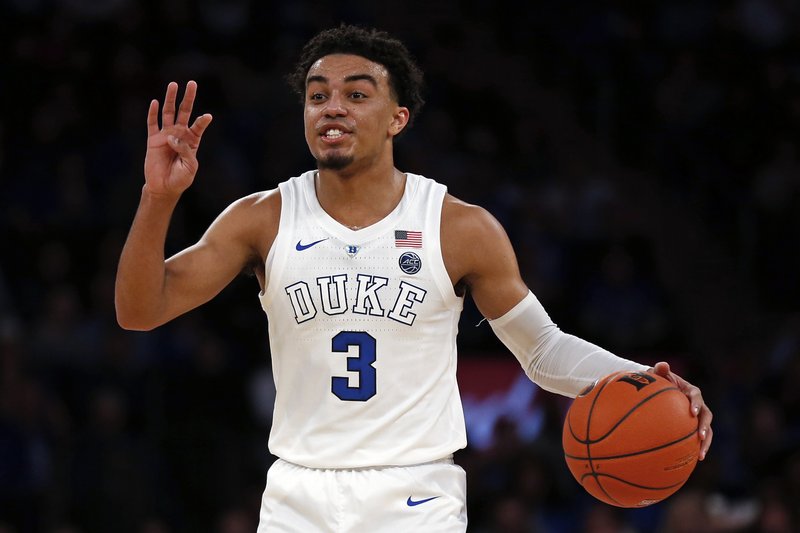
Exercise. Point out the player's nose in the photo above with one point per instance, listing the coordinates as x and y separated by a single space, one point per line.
334 106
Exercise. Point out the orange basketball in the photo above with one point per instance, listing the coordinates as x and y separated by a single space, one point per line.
630 439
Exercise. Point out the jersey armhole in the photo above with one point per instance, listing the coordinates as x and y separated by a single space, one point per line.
275 261
440 275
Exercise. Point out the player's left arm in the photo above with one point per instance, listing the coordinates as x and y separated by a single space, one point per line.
478 254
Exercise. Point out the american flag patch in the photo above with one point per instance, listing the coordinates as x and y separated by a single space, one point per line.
407 239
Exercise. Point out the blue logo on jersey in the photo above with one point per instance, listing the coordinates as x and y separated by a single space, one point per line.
412 503
410 263
300 247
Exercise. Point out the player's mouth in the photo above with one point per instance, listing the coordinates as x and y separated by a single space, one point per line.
333 134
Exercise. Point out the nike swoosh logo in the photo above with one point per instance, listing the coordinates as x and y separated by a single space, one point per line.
412 503
300 247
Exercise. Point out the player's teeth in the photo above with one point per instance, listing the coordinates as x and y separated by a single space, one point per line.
333 133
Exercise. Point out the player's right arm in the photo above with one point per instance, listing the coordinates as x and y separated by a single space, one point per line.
151 290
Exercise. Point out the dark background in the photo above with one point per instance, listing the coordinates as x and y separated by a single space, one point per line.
642 157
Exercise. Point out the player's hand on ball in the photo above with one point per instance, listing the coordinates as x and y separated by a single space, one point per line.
698 406
170 163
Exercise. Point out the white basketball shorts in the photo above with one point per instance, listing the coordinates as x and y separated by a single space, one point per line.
429 497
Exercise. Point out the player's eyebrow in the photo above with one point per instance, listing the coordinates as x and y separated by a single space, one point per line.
367 77
348 79
316 79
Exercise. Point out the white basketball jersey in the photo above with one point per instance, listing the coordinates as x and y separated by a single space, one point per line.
362 330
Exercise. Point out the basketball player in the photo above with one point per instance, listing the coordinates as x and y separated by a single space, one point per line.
363 269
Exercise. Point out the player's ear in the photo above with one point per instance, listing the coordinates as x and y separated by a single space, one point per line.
399 120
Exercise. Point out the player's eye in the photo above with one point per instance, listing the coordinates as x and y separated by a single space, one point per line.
316 97
357 95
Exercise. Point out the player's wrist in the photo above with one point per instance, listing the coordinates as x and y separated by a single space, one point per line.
160 197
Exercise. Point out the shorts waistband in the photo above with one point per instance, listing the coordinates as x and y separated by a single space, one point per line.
444 460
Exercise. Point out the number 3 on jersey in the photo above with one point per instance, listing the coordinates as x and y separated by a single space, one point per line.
361 363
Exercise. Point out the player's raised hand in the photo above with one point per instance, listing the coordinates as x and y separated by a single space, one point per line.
698 405
170 163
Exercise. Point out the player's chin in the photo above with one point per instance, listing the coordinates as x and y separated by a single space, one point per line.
334 161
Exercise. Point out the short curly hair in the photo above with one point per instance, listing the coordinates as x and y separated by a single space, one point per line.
405 77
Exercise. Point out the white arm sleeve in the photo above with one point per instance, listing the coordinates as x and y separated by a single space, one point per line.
554 360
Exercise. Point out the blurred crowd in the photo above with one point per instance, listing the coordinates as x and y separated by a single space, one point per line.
642 156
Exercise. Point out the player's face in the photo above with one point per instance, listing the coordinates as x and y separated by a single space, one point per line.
350 113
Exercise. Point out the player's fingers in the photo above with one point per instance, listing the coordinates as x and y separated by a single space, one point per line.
695 399
706 437
185 110
695 395
662 369
201 123
704 429
152 118
705 417
168 112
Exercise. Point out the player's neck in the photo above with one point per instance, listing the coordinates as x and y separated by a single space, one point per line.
359 199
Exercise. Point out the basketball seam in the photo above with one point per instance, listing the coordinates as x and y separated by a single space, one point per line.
589 416
588 443
588 425
616 424
640 452
596 475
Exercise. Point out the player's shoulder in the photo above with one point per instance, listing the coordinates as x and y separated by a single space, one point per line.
250 218
251 221
260 199
261 203
472 240
463 218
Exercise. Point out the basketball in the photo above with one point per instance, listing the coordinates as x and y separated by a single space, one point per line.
630 439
